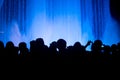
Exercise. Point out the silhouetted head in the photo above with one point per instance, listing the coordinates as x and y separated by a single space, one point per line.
32 46
97 45
40 41
9 44
77 44
53 44
98 42
61 44
22 45
113 47
33 42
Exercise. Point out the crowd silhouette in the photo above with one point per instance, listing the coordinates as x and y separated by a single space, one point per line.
59 53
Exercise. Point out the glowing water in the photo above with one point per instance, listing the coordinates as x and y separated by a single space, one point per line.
68 19
58 19
64 19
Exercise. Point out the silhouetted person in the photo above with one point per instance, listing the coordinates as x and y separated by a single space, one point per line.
70 53
23 49
114 50
115 55
79 49
11 49
96 47
61 45
79 52
58 52
33 46
42 50
11 52
24 53
53 52
96 51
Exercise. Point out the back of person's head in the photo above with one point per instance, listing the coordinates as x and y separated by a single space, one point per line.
61 44
23 48
40 41
32 46
10 49
113 48
77 44
9 44
22 45
97 45
53 44
32 43
98 42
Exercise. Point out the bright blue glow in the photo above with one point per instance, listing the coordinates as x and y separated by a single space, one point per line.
68 19
52 22
57 19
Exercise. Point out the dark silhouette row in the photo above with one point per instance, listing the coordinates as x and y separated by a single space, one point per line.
59 53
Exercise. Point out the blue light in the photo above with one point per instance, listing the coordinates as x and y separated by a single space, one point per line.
72 20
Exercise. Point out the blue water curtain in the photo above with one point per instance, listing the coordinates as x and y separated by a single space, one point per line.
12 11
73 20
